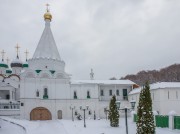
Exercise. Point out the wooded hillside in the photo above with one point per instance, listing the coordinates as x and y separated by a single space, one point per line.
167 74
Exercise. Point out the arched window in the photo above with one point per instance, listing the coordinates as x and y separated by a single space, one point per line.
75 95
45 96
88 95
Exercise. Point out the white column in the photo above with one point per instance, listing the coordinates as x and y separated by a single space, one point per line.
171 119
10 95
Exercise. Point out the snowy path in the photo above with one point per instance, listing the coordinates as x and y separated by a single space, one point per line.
8 128
76 127
48 127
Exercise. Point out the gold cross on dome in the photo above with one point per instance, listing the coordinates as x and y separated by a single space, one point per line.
3 53
26 52
47 7
7 60
17 47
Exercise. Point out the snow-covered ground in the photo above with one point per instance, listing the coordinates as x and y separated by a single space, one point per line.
69 127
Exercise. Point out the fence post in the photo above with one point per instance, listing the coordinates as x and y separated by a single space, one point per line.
155 113
171 119
132 115
171 122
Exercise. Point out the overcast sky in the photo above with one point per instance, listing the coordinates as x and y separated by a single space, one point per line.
114 37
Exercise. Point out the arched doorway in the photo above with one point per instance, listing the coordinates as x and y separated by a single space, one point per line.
40 113
59 114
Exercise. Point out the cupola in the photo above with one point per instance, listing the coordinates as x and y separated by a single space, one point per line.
47 15
2 63
16 62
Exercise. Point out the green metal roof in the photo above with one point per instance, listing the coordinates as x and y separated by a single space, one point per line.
3 65
25 65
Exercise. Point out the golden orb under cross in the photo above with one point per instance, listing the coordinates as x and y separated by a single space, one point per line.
47 15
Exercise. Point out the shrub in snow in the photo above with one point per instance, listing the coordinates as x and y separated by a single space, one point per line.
145 121
113 113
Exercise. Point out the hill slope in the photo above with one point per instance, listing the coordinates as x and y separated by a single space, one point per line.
167 74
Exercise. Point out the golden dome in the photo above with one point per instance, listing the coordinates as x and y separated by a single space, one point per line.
47 16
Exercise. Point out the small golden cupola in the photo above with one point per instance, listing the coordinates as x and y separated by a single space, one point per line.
47 15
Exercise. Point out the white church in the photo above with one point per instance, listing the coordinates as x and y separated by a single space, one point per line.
40 89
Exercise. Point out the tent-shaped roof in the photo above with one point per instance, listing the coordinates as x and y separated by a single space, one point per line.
47 47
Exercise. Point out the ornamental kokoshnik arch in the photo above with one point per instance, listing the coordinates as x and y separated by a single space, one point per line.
40 113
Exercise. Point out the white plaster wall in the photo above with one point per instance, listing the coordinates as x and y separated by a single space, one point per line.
106 89
9 112
54 105
171 103
57 89
46 64
81 90
160 101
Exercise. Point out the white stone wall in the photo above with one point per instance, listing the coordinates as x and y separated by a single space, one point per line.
46 64
160 100
61 97
9 112
54 105
81 90
106 89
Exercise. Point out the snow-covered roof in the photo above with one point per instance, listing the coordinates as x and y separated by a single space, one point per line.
123 82
47 47
158 85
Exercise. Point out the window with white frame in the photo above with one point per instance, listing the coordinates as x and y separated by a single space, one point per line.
45 95
45 91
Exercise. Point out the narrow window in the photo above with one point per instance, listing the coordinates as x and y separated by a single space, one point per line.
37 93
117 92
45 91
45 96
168 94
102 92
125 94
75 95
88 94
110 92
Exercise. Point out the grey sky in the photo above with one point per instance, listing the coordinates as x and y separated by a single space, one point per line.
114 37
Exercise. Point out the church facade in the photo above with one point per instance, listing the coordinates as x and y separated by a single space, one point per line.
45 91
